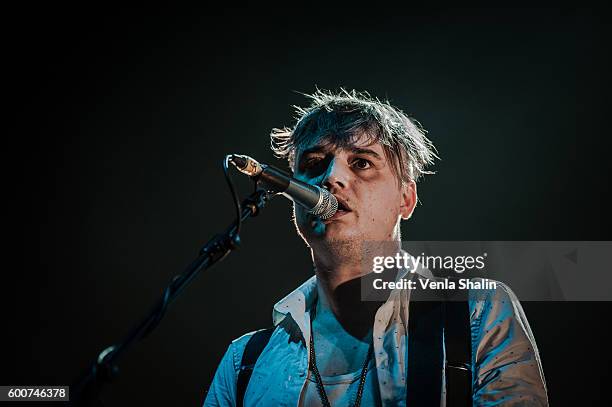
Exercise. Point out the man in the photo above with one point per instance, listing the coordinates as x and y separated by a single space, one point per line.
329 347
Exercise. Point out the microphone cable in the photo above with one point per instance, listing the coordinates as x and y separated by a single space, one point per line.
176 280
232 189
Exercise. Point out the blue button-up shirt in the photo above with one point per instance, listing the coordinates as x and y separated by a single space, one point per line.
506 367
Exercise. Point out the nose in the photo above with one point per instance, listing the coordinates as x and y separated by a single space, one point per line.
337 175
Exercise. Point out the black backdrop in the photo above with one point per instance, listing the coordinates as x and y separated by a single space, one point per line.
113 178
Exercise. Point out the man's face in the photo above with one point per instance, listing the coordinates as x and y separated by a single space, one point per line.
371 200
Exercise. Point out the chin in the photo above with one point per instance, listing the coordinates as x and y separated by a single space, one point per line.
335 233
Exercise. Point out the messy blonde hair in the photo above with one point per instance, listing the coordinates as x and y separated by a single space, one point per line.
341 118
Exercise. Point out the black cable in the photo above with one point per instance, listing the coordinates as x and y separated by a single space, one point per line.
230 184
176 280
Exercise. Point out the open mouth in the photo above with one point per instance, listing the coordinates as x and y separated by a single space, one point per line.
342 206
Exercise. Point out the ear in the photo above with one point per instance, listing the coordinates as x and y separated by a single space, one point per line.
409 199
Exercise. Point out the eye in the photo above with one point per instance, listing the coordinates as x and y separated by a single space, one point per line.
309 162
313 165
361 164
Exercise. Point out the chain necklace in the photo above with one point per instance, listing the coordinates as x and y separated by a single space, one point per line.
317 375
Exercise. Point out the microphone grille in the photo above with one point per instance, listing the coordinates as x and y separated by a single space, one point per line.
327 205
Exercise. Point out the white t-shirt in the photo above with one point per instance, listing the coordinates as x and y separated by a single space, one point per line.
341 389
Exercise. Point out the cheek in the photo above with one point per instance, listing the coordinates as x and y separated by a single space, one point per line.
384 207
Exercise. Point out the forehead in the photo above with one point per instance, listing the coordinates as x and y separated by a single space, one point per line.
335 143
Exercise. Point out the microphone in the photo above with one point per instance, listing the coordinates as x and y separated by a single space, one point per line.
318 201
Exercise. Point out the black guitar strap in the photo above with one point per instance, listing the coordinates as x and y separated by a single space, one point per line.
458 343
438 326
425 353
253 349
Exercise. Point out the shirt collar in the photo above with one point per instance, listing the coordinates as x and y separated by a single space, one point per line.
297 303
301 299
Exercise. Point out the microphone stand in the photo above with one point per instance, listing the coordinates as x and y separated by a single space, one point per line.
104 368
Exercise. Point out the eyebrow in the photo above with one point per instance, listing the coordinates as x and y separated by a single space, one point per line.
311 150
352 149
366 151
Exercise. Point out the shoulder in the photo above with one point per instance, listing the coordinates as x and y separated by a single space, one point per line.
494 297
505 356
232 359
238 346
499 323
222 390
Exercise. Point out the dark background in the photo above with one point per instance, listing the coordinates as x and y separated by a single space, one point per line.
113 178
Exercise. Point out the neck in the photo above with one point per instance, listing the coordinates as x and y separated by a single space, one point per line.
339 277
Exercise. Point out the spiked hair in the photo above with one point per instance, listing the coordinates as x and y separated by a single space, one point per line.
340 118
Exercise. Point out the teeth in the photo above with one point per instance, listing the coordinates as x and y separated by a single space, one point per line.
341 207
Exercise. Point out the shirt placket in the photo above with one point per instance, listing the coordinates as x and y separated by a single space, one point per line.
381 355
